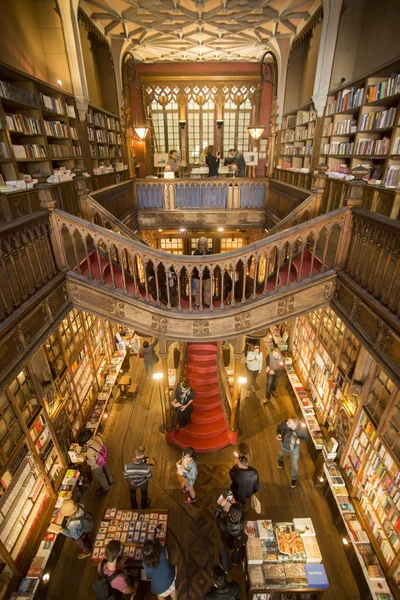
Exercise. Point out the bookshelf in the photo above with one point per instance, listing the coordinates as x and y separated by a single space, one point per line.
40 129
297 139
361 126
44 443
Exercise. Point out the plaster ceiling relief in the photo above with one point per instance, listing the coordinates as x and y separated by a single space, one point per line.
198 30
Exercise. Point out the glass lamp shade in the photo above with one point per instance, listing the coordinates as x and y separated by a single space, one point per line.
256 131
141 132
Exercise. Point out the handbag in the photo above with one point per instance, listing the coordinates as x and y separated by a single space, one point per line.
141 355
256 504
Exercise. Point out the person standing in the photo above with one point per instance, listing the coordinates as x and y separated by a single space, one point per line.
254 361
212 161
275 367
183 404
158 569
79 527
239 161
187 473
173 162
112 568
138 474
222 589
149 356
245 479
290 433
96 458
202 249
231 527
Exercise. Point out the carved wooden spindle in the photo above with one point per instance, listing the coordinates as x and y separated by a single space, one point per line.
381 284
328 233
7 309
135 275
300 273
211 307
27 245
32 239
190 271
179 272
278 252
255 277
21 262
89 266
146 285
222 271
15 271
389 287
201 289
363 255
123 272
318 187
233 298
244 266
7 278
371 257
166 269
99 263
380 246
289 264
316 236
157 286
49 249
77 262
267 267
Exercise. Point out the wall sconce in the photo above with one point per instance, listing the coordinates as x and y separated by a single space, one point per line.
220 122
141 132
182 124
59 83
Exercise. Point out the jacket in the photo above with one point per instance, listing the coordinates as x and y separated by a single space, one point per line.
149 353
206 272
174 166
191 473
233 534
93 449
161 576
184 396
275 363
212 163
137 473
286 432
239 161
254 361
245 482
233 591
78 524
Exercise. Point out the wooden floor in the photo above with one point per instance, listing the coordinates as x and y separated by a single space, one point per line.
194 540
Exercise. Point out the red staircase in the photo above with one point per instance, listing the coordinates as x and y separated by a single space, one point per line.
208 429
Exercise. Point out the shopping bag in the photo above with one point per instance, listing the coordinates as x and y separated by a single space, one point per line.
256 504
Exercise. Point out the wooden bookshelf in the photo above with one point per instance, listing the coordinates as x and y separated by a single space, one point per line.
296 139
104 134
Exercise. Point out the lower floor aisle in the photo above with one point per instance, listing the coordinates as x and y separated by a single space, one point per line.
193 538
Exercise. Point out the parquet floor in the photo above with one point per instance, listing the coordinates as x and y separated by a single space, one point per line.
194 539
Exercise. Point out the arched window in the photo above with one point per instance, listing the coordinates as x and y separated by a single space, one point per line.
236 122
165 118
201 119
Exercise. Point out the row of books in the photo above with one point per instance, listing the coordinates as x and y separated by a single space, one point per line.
392 177
4 151
341 148
101 136
29 151
389 87
367 146
305 116
115 152
396 146
291 122
23 124
51 103
16 93
56 128
112 124
59 151
91 137
290 575
378 120
77 150
113 138
342 127
99 120
103 151
349 98
295 150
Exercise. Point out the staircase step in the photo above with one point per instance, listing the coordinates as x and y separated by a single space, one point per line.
208 403
183 439
200 356
205 391
206 416
202 430
194 347
206 367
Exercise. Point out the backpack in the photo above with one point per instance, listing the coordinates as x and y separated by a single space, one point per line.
86 521
102 587
102 455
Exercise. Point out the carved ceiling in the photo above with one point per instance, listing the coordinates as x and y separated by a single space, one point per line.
199 30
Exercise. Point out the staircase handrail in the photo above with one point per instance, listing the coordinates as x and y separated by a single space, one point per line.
95 208
223 386
212 260
301 213
181 370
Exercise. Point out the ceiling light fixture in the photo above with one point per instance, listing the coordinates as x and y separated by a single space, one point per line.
220 229
141 132
256 131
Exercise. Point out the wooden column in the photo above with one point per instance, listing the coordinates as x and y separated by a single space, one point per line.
318 188
238 350
166 396
82 191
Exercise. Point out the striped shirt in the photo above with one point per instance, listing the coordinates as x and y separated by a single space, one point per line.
137 473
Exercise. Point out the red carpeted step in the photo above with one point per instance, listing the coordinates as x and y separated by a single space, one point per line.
196 347
200 356
205 367
207 403
201 430
183 439
206 416
203 391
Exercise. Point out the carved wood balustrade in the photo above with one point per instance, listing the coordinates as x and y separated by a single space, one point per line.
238 277
27 260
283 199
118 199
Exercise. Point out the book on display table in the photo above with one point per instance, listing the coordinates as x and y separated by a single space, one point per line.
287 550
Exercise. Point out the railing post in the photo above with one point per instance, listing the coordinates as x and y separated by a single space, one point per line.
47 201
239 347
82 191
318 188
353 199
394 213
166 397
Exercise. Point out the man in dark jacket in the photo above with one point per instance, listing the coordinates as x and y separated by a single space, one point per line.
231 527
149 356
222 589
138 474
275 367
290 433
245 480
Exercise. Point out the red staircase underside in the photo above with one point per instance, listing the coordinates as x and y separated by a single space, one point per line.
103 270
208 429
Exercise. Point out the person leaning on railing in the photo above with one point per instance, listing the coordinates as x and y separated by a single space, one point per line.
202 248
173 162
